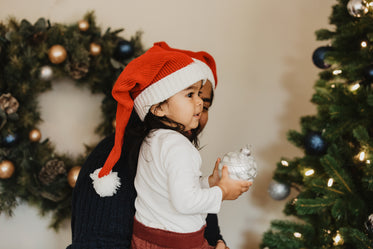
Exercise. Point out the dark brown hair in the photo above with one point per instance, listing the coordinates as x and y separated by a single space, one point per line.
152 121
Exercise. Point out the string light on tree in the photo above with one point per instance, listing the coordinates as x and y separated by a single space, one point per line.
284 163
330 182
294 201
362 156
337 72
364 44
327 231
309 172
297 235
354 87
337 239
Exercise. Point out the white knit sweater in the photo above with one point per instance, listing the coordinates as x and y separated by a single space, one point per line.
171 193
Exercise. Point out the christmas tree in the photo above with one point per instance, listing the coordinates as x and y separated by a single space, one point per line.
333 181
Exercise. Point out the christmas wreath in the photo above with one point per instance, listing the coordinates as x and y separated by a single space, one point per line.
31 56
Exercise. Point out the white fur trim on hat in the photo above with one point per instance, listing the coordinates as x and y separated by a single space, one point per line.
172 84
106 185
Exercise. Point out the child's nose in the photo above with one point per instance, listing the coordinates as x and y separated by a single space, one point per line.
199 100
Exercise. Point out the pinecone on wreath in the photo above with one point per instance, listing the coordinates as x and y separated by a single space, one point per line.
51 170
8 103
77 70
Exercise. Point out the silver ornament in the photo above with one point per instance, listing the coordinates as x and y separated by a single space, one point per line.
369 224
46 73
116 64
241 165
8 35
278 191
357 8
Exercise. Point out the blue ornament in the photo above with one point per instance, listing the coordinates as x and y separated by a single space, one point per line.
314 144
318 57
368 72
10 139
124 50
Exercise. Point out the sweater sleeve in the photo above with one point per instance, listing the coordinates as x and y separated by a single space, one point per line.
182 163
204 181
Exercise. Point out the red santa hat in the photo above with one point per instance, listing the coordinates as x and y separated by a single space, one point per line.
202 56
147 80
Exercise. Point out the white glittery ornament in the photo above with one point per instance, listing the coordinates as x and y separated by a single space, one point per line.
241 164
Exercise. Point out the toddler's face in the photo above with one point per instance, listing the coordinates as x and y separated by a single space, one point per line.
185 107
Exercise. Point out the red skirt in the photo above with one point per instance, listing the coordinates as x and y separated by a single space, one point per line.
144 237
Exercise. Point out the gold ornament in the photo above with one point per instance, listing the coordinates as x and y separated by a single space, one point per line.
94 49
83 25
72 176
114 123
6 169
57 54
35 135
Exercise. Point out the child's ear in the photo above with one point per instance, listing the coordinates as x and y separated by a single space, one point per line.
157 111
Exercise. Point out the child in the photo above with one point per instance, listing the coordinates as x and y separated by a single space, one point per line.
163 86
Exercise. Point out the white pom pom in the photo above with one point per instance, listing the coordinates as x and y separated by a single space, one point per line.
106 185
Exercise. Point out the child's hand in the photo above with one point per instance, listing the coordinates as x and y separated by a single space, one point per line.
221 245
231 188
214 177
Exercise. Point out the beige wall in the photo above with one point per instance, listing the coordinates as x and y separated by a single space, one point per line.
263 52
